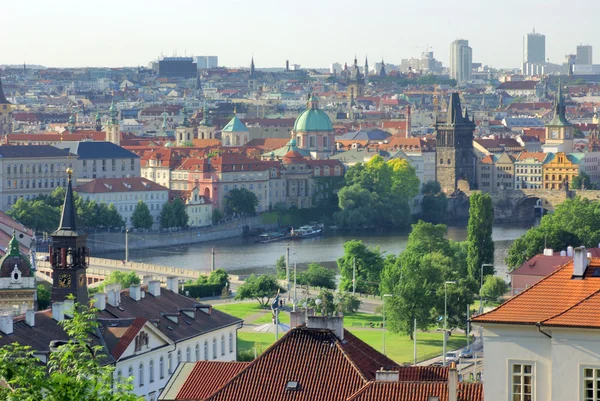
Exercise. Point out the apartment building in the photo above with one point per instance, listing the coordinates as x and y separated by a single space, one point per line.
528 170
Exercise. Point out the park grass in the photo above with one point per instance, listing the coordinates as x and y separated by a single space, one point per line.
359 319
399 348
241 309
284 317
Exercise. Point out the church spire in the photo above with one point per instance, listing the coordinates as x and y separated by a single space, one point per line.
252 68
2 97
68 218
98 121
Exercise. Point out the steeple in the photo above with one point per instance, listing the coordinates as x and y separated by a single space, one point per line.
560 109
71 123
252 68
13 245
164 123
454 114
382 73
2 97
98 121
68 218
113 113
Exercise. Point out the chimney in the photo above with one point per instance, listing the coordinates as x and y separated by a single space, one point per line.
22 308
30 317
563 253
154 288
111 298
580 262
570 251
6 323
146 279
100 301
548 252
387 375
57 311
452 383
135 292
297 318
333 323
172 283
67 307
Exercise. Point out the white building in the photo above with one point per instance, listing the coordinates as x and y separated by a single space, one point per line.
543 344
461 60
125 193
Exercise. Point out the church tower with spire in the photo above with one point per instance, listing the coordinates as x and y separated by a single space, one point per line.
6 117
559 131
455 158
252 81
366 71
113 130
184 134
98 122
69 254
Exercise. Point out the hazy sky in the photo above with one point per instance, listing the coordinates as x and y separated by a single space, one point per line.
312 33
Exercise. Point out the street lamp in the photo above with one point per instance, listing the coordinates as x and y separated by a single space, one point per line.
383 314
445 318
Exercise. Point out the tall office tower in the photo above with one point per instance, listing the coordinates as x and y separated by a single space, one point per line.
205 62
461 60
584 55
534 49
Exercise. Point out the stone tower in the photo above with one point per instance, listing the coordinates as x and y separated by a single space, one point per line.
5 114
113 131
455 159
69 254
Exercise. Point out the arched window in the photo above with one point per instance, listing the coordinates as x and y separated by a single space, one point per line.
119 374
141 375
178 357
197 351
230 342
299 141
188 355
151 371
206 350
222 344
161 367
170 363
130 372
325 141
214 350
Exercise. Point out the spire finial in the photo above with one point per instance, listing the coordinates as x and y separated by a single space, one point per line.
13 245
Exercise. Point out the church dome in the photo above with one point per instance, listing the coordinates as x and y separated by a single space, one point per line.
169 144
14 264
313 119
293 156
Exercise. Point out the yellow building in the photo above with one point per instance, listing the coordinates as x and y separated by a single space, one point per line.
559 169
5 114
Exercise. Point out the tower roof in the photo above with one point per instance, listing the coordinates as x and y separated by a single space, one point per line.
235 125
68 218
560 118
2 97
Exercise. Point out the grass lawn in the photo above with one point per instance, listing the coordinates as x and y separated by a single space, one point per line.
284 317
400 347
358 319
247 341
241 310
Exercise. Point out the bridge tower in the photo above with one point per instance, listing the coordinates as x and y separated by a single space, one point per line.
455 159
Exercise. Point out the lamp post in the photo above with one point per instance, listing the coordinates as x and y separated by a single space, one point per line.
445 319
383 314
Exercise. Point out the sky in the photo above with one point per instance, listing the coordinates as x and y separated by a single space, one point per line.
312 33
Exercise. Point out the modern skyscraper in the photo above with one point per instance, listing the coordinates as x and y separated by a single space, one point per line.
461 60
584 55
534 48
205 62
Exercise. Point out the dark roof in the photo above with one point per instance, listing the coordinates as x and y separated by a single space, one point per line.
518 85
96 150
373 134
26 151
68 218
132 184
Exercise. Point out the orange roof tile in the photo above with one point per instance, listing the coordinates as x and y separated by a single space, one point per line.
556 299
128 337
416 391
198 387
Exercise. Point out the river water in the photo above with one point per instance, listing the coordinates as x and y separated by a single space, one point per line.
241 255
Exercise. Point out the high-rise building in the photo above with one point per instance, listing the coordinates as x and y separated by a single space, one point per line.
206 62
534 48
461 60
584 55
180 67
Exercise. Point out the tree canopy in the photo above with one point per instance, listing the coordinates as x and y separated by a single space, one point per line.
369 264
434 205
582 181
173 214
377 193
479 235
574 222
43 212
262 288
240 201
73 373
141 217
317 276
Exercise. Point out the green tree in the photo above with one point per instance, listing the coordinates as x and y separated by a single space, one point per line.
141 217
219 276
217 216
317 276
241 202
434 205
581 181
479 235
262 288
326 305
43 297
112 217
126 280
280 268
493 288
347 303
76 372
369 264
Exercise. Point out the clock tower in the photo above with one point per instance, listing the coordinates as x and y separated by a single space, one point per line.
559 131
69 254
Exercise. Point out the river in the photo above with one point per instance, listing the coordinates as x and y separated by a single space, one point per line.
243 255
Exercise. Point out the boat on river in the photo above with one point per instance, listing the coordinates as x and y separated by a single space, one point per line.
271 237
311 230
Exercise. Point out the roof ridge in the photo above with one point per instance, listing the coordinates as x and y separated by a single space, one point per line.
559 269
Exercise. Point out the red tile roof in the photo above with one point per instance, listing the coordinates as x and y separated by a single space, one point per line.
541 265
198 387
556 299
127 337
416 391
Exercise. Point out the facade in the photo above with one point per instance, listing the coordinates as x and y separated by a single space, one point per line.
125 193
584 55
461 60
313 131
534 49
559 169
28 171
6 115
198 208
542 344
177 67
101 160
206 62
528 170
18 288
455 157
505 172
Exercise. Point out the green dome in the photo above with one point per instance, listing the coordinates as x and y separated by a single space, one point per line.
313 119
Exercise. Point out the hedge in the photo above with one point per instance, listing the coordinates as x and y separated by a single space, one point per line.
201 290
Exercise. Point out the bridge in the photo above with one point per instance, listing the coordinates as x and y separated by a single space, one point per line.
518 204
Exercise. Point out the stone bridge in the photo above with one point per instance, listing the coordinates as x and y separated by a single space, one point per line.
519 204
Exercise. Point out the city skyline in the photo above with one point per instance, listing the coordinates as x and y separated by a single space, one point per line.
131 33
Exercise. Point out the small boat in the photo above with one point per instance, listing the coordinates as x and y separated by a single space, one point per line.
271 237
307 231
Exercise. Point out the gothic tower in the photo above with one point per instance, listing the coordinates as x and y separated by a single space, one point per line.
69 254
366 71
455 159
559 131
252 81
5 113
98 122
113 131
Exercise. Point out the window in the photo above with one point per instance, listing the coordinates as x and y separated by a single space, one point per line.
591 384
222 344
130 371
178 357
522 382
161 367
197 351
230 342
141 376
188 355
214 348
206 350
170 363
151 371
